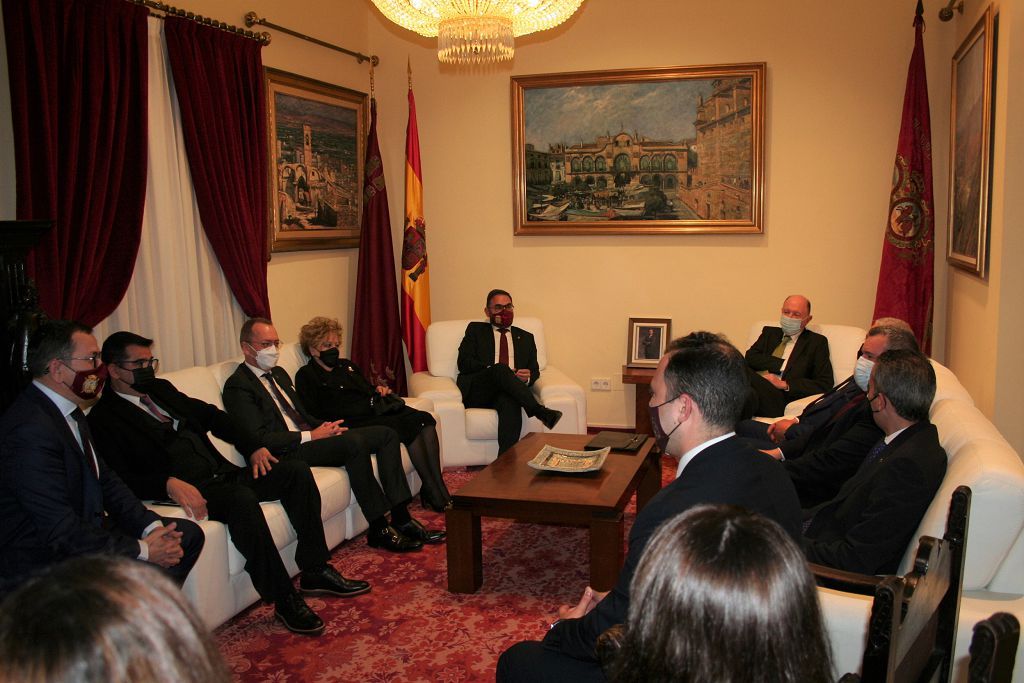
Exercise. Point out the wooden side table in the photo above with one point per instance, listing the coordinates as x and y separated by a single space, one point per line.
641 377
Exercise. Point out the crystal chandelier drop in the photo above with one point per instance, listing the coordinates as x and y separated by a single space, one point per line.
476 31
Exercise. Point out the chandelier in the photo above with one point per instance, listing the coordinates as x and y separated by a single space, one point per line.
476 31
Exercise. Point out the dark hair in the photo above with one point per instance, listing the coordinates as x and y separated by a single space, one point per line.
52 339
723 594
115 347
104 619
708 369
245 334
496 292
907 379
897 338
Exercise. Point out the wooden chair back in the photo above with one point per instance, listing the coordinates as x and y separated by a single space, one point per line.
994 649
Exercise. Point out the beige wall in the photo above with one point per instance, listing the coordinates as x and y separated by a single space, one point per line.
836 77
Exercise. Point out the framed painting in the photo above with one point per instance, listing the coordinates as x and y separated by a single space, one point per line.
639 152
317 138
646 341
970 125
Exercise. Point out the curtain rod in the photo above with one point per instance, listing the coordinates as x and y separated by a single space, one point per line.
263 38
252 18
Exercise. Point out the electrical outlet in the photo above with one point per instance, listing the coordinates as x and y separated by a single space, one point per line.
600 384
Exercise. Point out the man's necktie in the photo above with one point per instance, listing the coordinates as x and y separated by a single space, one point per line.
874 454
780 350
503 347
83 431
151 406
288 408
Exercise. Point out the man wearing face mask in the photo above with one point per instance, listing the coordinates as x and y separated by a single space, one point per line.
788 362
261 398
866 527
58 498
698 391
155 437
497 367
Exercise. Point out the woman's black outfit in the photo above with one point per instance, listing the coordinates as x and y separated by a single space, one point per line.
343 393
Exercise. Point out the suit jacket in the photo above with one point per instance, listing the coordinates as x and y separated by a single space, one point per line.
819 413
809 370
139 447
727 472
867 526
51 503
250 403
476 353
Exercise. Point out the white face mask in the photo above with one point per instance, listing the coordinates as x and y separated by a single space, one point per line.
862 372
266 359
790 326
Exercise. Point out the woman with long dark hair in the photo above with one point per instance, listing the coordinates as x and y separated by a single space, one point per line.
335 388
722 594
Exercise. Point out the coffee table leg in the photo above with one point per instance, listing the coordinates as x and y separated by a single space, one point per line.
650 483
465 561
606 556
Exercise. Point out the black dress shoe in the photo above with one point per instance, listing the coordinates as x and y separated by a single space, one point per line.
327 581
414 529
296 615
433 507
549 417
390 538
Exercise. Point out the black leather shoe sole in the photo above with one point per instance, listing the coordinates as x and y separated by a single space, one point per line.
296 625
351 590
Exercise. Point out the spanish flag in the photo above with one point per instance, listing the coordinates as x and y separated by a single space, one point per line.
415 274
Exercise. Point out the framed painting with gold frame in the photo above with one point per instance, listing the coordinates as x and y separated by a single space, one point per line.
317 140
640 151
970 126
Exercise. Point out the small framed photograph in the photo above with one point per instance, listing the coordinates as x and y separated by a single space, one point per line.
647 340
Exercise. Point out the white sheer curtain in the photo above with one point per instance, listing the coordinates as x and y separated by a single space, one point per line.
178 295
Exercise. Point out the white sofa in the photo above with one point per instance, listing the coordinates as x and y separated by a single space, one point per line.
979 457
218 586
469 436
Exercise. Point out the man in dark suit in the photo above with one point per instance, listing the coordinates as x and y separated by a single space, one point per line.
788 362
155 437
58 498
260 397
698 392
869 523
497 367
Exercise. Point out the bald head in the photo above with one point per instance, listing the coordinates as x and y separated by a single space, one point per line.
798 305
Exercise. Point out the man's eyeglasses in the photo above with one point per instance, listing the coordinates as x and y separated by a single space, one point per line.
139 363
498 308
94 359
276 343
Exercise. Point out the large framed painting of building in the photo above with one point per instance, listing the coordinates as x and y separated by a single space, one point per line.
641 151
970 146
317 137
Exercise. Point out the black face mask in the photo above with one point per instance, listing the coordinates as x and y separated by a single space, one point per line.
142 376
330 357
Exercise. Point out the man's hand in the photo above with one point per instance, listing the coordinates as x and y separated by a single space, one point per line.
588 602
188 497
523 374
164 546
777 430
260 461
775 453
383 390
328 429
777 382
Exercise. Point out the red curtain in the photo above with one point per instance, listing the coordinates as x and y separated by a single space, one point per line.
78 73
218 77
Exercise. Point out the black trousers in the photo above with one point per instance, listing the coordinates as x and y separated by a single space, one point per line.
352 451
192 541
498 387
768 401
235 500
531 662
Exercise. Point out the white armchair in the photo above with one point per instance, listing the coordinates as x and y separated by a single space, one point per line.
469 436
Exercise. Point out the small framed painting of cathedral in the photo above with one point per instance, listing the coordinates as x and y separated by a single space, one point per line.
317 139
639 152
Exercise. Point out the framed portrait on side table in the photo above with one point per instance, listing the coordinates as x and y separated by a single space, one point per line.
970 124
317 137
647 340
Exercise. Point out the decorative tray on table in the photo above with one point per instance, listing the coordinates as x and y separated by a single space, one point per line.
552 459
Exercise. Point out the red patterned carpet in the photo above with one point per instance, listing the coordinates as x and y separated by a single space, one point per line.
409 627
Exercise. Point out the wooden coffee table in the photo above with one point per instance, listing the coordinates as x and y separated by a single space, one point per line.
510 488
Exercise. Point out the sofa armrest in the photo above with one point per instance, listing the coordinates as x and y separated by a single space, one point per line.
433 387
848 582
